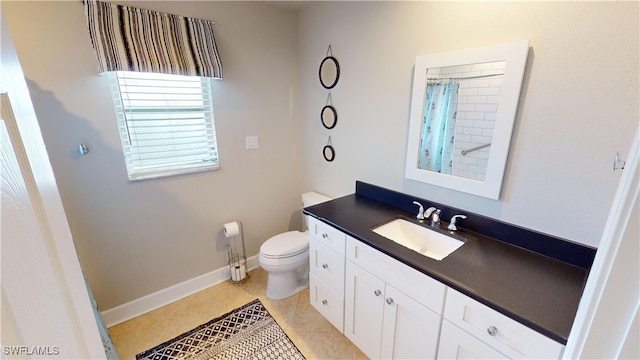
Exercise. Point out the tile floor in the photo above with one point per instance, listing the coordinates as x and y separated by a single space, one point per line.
313 335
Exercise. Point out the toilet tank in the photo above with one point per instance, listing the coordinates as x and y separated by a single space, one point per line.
312 198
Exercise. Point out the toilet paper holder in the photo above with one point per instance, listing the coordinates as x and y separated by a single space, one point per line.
237 262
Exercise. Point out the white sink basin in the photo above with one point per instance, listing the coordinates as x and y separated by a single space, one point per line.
419 238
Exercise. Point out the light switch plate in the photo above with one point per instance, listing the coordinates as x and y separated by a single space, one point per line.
252 142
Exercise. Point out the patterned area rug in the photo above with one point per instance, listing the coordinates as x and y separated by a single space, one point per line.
248 332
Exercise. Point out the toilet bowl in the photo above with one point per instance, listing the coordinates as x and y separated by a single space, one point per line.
285 257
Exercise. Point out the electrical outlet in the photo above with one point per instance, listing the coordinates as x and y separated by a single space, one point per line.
252 142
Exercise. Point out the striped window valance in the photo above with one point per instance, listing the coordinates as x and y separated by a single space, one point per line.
131 39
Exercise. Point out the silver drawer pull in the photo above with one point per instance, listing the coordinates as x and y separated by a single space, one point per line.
377 293
325 235
324 266
492 330
389 301
324 302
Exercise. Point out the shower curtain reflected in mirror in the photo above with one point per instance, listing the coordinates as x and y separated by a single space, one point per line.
438 127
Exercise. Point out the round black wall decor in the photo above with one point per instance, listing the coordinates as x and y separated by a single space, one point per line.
329 72
329 117
329 153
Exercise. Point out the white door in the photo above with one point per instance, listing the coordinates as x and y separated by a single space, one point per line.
606 324
410 330
28 276
364 296
46 311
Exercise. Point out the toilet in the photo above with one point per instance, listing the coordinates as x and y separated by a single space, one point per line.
285 257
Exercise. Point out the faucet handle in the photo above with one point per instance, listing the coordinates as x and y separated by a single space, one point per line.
420 215
452 225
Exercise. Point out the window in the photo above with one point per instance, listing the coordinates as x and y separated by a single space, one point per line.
166 123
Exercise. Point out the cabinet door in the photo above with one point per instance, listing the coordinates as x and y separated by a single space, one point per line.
429 293
410 330
364 300
458 344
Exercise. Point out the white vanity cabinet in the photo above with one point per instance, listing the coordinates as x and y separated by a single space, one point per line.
386 314
326 271
472 330
392 311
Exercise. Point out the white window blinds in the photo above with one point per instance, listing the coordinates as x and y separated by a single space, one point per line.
165 122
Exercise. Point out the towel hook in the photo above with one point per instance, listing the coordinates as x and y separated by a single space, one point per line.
617 163
83 149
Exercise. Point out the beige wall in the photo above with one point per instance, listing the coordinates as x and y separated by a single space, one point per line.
134 238
579 102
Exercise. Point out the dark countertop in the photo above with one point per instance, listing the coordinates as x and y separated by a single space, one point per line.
536 290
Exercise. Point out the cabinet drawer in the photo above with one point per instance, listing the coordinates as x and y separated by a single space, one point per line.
457 344
415 284
499 331
327 266
327 235
329 303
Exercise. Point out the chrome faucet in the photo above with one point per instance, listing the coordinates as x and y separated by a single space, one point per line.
420 215
435 215
452 225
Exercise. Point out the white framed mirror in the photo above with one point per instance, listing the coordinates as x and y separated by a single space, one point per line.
463 108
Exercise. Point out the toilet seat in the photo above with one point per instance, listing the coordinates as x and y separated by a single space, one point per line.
285 245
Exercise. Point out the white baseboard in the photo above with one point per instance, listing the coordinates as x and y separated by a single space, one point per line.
124 312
